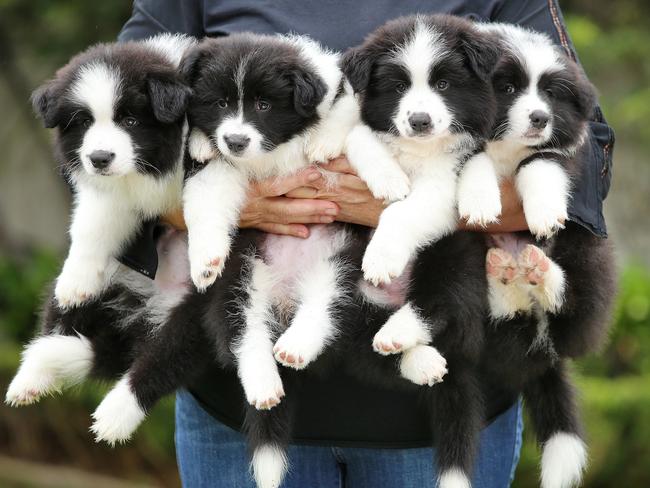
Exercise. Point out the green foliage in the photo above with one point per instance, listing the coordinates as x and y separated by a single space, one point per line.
22 282
617 59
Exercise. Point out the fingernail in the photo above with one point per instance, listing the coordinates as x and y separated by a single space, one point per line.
326 220
331 211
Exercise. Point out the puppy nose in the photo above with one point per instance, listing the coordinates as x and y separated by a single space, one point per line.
237 142
539 119
101 159
420 122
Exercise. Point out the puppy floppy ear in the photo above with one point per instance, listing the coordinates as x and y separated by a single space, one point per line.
45 101
481 50
169 97
585 92
308 91
190 64
356 66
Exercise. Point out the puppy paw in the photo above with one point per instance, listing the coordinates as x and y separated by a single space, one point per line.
79 283
383 261
545 219
118 416
480 208
295 349
389 185
265 390
29 387
205 271
501 265
321 149
534 265
423 365
200 147
402 331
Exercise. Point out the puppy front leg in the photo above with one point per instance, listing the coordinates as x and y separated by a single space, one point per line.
479 196
99 231
543 186
375 165
427 214
212 200
330 138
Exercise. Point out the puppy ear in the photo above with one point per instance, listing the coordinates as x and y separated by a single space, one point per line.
308 91
481 50
169 97
585 92
46 104
356 66
190 64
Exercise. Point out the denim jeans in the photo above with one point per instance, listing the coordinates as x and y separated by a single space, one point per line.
211 454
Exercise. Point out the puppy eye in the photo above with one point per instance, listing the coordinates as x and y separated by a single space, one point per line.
222 103
129 121
262 105
549 92
509 88
401 87
87 122
442 85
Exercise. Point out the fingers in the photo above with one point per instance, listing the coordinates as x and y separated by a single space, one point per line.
298 211
303 192
296 230
274 187
339 165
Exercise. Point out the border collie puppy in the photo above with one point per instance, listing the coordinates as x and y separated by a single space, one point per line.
549 301
119 110
258 112
423 84
426 106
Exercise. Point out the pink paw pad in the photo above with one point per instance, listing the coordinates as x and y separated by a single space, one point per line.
501 265
534 264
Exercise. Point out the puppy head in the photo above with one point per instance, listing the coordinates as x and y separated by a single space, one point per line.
423 77
251 93
544 99
119 109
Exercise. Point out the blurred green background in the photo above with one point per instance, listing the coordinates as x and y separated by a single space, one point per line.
49 445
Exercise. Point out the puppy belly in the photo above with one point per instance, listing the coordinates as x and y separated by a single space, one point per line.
510 242
173 273
291 258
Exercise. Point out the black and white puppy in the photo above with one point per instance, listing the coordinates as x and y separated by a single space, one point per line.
119 110
426 106
549 300
264 106
423 84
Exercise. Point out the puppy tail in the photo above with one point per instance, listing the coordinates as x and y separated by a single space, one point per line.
564 460
268 435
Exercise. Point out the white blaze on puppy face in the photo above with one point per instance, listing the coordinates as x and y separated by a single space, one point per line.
418 57
537 59
97 89
236 137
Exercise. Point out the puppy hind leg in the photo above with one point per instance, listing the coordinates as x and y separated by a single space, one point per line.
173 355
403 330
48 364
313 326
256 366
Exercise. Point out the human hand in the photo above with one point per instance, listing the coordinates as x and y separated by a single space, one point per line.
347 191
512 218
268 208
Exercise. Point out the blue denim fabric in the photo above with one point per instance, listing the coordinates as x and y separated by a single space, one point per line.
212 455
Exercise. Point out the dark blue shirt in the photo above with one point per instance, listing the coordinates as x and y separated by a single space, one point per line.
338 410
